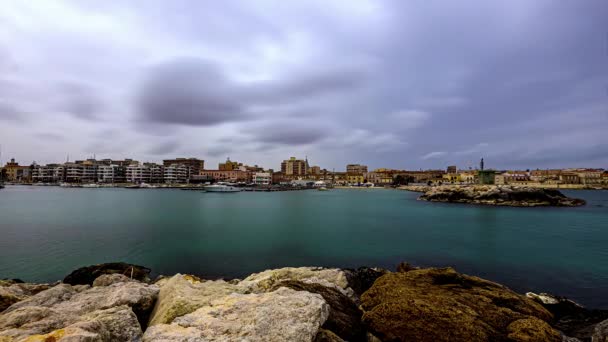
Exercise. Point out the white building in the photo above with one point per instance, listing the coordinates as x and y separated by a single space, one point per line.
110 174
176 173
262 178
138 173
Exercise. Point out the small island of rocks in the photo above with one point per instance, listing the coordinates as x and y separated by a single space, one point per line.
497 195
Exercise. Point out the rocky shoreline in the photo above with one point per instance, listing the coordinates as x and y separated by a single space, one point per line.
496 195
118 302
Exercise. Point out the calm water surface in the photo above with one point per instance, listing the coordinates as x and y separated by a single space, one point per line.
46 232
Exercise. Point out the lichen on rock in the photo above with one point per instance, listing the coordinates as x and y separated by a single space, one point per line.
281 315
439 304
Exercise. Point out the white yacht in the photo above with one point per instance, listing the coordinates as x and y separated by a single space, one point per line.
221 188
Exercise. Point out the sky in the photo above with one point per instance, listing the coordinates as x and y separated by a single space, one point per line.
397 84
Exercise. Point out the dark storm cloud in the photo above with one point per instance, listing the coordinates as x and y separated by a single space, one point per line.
308 84
289 132
195 92
10 112
79 100
164 148
188 92
49 136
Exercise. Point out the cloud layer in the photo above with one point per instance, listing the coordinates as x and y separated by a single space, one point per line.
387 83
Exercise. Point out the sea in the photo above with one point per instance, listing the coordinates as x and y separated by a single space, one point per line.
46 232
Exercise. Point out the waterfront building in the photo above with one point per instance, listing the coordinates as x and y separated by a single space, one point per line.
467 177
193 166
569 178
294 167
228 176
51 173
380 177
452 169
73 172
262 178
139 173
176 173
112 173
17 173
314 170
590 176
451 177
486 176
356 168
355 178
229 165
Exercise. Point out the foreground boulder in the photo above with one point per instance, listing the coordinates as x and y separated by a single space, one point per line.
439 304
515 196
83 313
362 278
281 315
344 318
86 275
12 291
183 294
328 277
573 319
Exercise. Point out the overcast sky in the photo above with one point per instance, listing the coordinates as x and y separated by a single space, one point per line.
400 84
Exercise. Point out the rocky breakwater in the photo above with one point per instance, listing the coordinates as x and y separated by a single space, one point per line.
287 304
515 196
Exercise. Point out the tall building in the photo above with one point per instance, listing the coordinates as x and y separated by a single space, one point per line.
356 168
177 173
294 167
314 170
229 165
193 166
17 173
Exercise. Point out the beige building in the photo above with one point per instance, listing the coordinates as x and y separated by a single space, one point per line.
314 170
356 168
294 167
17 173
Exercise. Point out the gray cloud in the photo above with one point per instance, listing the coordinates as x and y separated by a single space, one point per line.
79 100
288 132
189 92
164 148
9 112
365 81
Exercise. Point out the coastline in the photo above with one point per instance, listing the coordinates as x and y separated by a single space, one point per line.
291 303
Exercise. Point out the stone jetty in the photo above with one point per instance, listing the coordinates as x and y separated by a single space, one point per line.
118 302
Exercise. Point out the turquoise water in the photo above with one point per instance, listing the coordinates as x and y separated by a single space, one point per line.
46 232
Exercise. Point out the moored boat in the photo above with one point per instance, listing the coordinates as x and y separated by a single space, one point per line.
221 188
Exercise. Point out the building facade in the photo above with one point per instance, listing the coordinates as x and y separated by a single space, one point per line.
356 168
17 173
262 178
294 167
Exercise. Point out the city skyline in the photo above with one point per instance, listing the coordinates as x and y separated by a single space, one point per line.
375 82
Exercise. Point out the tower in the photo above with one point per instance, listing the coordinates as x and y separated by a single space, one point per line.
481 164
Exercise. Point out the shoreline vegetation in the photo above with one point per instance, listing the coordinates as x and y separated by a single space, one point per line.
495 195
119 302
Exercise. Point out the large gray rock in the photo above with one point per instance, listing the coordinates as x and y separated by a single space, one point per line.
104 310
600 333
328 277
12 292
114 324
183 294
281 315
